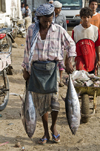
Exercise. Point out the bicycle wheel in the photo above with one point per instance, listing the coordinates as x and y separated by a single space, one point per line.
4 90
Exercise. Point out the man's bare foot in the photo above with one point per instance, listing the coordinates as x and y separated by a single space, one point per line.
55 135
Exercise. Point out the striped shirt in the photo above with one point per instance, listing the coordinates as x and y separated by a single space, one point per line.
57 40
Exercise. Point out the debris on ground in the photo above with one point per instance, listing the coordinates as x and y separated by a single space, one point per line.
17 144
4 143
23 148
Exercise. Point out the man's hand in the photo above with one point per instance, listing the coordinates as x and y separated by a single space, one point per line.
97 64
68 64
26 74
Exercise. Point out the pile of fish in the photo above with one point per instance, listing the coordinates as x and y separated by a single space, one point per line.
72 107
28 114
83 78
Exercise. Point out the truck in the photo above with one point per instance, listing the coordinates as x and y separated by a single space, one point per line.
9 9
71 10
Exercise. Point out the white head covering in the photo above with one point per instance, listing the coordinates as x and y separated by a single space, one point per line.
57 4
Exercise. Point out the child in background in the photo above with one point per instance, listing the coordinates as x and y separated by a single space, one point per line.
93 4
87 39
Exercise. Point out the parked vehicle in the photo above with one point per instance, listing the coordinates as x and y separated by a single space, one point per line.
21 28
7 36
19 25
5 62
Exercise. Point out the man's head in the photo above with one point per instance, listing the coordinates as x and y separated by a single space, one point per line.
50 1
86 15
26 6
46 20
58 7
93 4
22 5
44 14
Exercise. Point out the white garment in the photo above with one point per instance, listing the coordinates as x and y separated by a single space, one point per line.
23 10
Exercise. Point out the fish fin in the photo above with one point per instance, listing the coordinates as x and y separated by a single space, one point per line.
27 115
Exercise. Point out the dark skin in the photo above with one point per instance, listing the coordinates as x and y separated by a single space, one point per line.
93 6
57 11
69 68
45 23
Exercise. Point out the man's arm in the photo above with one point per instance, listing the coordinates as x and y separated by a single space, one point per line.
68 64
70 46
26 74
25 63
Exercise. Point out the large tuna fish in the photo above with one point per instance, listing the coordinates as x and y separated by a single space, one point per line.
72 107
28 114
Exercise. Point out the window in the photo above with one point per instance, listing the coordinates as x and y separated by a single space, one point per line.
72 3
2 6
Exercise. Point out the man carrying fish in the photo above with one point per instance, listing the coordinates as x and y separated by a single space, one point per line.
45 45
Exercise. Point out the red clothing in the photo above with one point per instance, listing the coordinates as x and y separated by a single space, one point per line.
86 40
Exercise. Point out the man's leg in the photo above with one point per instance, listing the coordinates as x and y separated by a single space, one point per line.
61 84
46 132
54 115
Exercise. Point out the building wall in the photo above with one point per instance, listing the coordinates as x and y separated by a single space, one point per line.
35 3
13 9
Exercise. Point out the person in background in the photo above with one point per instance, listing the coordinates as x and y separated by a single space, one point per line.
60 19
51 1
93 4
23 10
44 41
28 12
87 39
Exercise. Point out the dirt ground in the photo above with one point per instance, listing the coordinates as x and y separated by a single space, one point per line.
12 131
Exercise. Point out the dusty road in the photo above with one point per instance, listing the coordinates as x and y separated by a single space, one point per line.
12 131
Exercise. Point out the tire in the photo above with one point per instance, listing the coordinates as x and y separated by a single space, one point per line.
9 44
85 108
7 41
5 96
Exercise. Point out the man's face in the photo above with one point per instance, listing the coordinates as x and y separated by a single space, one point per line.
93 6
57 11
26 7
51 2
22 5
86 20
46 21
